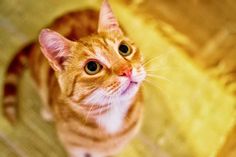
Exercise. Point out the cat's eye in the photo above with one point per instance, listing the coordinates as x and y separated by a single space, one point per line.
92 67
124 49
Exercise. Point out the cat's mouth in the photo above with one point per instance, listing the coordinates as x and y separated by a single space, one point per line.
129 87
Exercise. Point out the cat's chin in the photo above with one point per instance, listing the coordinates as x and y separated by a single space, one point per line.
129 87
130 90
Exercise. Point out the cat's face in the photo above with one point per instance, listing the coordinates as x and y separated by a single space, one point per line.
97 69
104 66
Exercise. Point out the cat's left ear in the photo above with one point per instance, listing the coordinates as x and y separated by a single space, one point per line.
107 21
55 48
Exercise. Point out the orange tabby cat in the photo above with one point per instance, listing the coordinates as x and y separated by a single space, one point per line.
91 86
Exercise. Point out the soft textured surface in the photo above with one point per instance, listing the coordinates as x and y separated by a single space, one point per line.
187 112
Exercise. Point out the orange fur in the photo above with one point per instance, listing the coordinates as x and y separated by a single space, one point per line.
95 115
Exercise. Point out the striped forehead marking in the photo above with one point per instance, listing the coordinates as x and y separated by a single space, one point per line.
110 42
101 57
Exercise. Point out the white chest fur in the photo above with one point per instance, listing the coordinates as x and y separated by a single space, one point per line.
112 121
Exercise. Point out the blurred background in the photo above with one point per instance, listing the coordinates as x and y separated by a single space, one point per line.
190 94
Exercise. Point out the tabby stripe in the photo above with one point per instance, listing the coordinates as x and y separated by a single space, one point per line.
99 113
85 137
93 106
9 89
132 110
72 116
93 137
52 83
104 44
71 92
87 45
92 110
81 98
13 74
34 62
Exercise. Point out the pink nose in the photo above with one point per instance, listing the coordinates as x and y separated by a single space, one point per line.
126 72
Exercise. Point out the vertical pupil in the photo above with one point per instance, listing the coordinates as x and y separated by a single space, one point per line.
123 48
92 66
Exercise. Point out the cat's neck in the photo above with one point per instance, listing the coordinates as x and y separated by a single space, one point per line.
113 120
109 117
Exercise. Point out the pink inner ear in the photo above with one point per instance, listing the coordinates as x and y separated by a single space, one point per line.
107 20
54 47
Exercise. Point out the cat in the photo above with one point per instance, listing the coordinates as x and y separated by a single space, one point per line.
89 77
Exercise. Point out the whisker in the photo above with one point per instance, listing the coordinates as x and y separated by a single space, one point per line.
118 87
161 56
162 69
92 101
86 119
90 109
149 60
159 77
113 90
100 111
99 122
154 85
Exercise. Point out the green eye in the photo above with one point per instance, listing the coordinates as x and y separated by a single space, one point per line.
124 49
92 68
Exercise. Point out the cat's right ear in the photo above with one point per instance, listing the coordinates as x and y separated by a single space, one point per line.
55 48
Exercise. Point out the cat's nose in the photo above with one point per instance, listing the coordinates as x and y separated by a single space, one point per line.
127 72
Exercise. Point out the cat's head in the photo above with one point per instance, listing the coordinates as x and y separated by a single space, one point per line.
96 69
